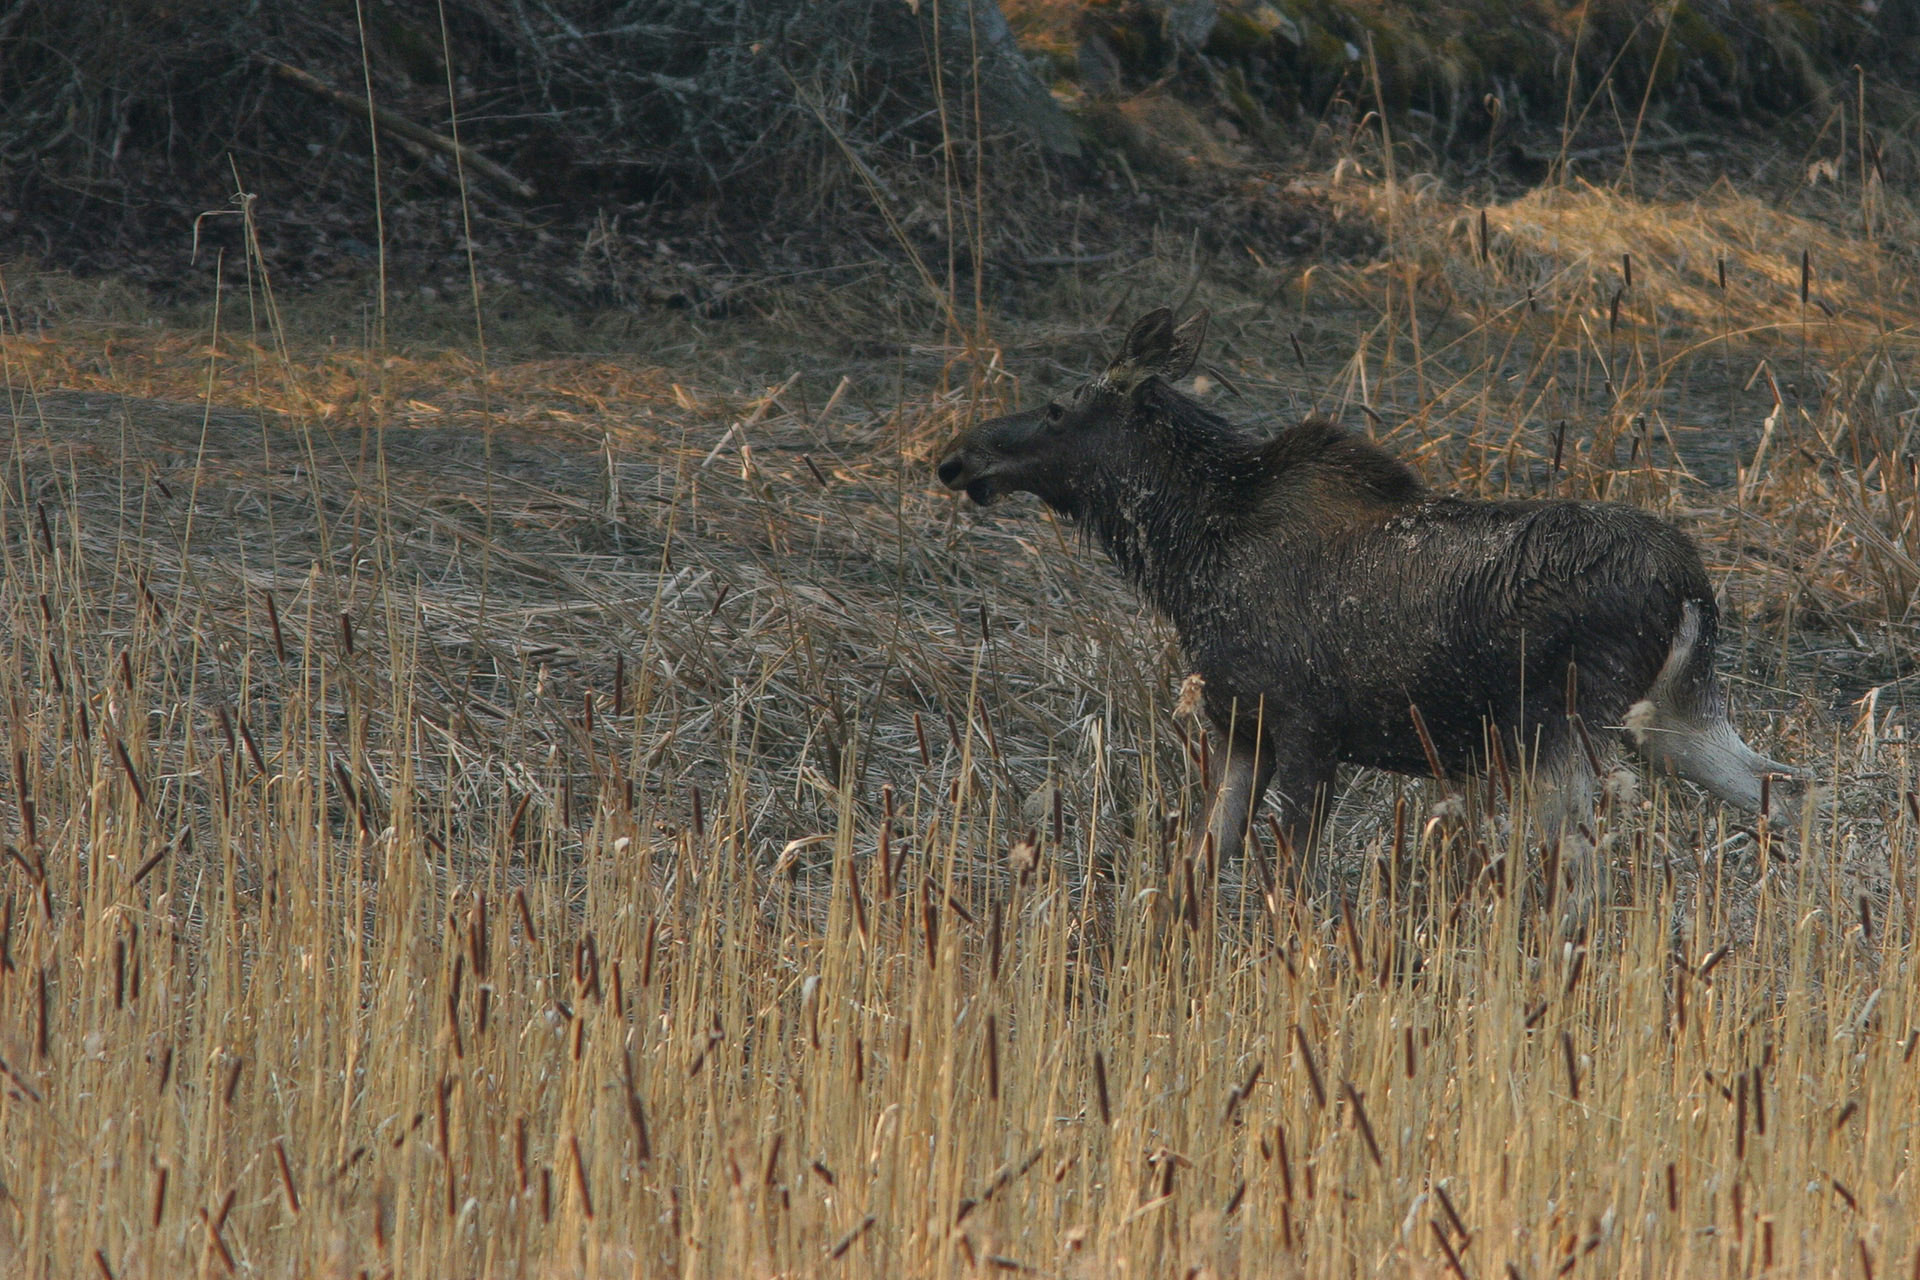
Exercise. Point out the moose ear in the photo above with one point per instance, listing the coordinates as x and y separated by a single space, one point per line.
1145 353
1185 347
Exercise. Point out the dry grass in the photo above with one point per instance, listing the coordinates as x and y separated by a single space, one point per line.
610 816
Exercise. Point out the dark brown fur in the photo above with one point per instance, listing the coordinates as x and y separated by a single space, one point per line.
1323 592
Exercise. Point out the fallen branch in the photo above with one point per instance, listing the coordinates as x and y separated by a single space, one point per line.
403 127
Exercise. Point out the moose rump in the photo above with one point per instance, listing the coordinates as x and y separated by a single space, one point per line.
1339 612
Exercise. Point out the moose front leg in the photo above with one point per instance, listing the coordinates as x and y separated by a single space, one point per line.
1243 780
1253 762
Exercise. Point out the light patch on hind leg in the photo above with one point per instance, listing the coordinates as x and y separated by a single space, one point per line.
1681 727
1702 750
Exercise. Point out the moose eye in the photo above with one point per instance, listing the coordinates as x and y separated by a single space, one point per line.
1055 412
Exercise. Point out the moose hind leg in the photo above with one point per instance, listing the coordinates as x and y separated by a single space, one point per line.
1563 787
1680 726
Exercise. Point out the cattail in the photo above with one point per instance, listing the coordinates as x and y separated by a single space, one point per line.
133 774
586 966
859 904
930 923
920 736
19 1081
1240 1093
520 1151
219 1245
273 619
993 1059
883 851
1740 1118
286 1176
647 952
580 1178
1573 1064
1446 1247
852 1238
1353 934
620 676
253 748
1712 961
1100 1088
1426 740
1233 1201
346 634
1286 1163
993 941
1453 1215
1360 1121
526 916
636 1112
477 940
443 1124
1313 1069
1574 970
453 1006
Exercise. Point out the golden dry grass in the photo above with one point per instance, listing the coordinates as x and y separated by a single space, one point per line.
609 816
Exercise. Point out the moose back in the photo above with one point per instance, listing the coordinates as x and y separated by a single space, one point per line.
1339 612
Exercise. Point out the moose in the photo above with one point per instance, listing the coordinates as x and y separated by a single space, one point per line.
1340 612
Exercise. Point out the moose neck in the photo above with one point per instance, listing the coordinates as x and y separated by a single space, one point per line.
1169 509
